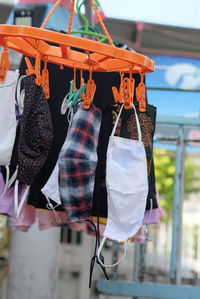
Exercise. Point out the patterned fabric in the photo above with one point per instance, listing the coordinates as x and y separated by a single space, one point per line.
36 132
77 163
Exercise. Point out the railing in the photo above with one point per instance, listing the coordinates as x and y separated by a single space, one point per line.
173 290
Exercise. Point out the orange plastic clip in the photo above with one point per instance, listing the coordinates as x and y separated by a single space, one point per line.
45 80
128 94
36 70
4 64
118 95
88 95
141 94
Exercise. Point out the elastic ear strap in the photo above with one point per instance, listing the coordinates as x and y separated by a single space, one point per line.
20 94
7 181
138 125
24 197
51 207
117 120
99 252
16 188
13 177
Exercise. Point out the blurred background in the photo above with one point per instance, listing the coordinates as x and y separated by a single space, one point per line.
168 32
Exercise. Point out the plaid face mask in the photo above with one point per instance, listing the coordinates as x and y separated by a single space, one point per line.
77 163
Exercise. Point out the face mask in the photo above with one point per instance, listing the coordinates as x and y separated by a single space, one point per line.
35 138
127 186
8 121
51 191
77 163
51 188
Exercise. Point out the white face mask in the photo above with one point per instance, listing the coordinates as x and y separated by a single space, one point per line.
51 188
127 186
8 123
7 116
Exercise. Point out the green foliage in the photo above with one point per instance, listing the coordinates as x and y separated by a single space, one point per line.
165 170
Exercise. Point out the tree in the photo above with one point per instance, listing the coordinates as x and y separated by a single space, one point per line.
165 170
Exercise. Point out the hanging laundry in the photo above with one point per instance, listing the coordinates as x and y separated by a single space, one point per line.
35 137
127 128
58 89
77 163
126 159
51 188
36 132
147 120
8 122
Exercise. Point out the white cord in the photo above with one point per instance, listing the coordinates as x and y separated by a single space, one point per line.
99 252
51 207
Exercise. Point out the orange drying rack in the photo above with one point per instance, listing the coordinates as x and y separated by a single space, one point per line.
96 56
64 49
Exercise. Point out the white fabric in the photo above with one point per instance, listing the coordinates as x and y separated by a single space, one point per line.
51 188
127 188
8 121
127 185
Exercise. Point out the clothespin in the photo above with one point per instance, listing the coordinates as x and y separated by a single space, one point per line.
128 93
36 70
74 95
141 94
118 94
72 98
132 83
81 78
4 63
45 80
88 95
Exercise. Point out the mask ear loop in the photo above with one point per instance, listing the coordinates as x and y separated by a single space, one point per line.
138 125
18 206
20 95
51 207
94 258
99 252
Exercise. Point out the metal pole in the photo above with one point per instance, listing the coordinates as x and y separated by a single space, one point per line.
115 251
175 265
137 266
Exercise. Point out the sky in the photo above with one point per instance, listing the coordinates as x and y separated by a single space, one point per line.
184 13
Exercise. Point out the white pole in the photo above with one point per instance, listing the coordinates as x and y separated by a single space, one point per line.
33 264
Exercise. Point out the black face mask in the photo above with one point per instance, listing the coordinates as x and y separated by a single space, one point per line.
36 132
